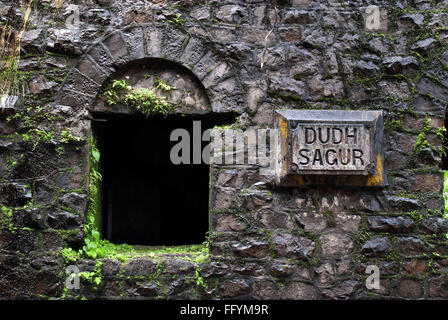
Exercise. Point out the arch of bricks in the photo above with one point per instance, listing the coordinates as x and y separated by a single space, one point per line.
141 41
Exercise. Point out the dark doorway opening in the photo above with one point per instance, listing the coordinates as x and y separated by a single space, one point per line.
147 200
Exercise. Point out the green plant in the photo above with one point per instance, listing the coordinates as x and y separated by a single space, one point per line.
6 221
94 247
94 277
163 84
416 215
67 136
330 217
42 135
69 255
421 141
177 19
114 89
442 134
144 100
445 192
60 150
199 280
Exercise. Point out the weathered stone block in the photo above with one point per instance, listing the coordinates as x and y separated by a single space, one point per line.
342 291
194 51
428 182
135 44
311 221
290 246
154 41
429 87
398 64
347 222
116 46
425 46
250 269
31 40
304 62
377 247
411 246
87 67
15 194
253 248
74 201
299 17
210 269
402 203
410 289
434 225
341 20
64 41
438 287
411 21
32 218
230 178
297 291
336 244
394 160
280 270
79 83
174 45
390 224
39 85
273 58
232 14
148 289
101 55
325 273
228 222
415 267
63 220
258 36
426 105
226 198
290 34
399 90
219 73
140 267
287 86
201 13
234 288
274 219
110 267
265 289
207 63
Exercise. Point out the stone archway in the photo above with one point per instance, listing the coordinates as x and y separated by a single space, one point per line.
140 41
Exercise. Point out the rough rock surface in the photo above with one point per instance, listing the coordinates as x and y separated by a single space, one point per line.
246 58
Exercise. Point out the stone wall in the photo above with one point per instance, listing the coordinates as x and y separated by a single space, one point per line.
250 57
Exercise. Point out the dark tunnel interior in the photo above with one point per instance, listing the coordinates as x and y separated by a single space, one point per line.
147 200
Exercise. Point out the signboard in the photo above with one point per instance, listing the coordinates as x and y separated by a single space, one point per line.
329 142
331 147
